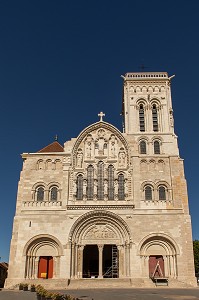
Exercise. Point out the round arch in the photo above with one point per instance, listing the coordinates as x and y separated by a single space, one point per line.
42 254
100 218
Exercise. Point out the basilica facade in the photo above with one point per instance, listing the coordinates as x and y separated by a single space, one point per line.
108 205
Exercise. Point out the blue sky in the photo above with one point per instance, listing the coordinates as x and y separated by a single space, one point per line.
60 64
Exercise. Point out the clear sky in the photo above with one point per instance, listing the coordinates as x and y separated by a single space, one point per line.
60 64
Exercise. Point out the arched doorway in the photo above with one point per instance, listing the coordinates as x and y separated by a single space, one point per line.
100 244
158 254
42 257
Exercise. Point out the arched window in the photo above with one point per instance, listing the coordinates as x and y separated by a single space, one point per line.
90 182
53 193
141 117
121 187
80 187
156 146
142 147
148 192
110 182
100 176
40 193
162 193
155 117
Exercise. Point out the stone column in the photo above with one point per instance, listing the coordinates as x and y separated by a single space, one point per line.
100 249
36 266
166 271
72 260
121 261
127 260
27 266
55 267
33 268
80 261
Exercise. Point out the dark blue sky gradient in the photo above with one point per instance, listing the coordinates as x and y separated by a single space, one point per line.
60 64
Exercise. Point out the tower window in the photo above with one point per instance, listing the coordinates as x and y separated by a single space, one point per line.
142 147
40 193
156 147
148 193
79 187
162 193
141 118
53 193
155 118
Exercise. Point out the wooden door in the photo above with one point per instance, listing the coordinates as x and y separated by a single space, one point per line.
45 268
156 266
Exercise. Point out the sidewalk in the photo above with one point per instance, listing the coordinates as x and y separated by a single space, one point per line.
17 295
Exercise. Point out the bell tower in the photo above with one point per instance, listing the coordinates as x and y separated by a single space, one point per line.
147 106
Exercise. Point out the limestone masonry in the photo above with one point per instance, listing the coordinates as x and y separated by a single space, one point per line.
109 206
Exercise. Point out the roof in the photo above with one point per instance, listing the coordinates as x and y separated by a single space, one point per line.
53 147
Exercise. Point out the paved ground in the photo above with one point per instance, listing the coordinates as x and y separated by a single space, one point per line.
114 294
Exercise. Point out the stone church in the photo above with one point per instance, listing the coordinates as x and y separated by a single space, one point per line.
108 207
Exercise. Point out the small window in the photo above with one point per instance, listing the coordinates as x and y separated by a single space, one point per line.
162 193
141 117
148 193
142 147
156 147
155 117
40 193
53 193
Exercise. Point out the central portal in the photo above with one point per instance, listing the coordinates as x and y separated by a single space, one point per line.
100 261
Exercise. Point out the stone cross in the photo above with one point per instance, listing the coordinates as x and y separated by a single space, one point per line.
101 115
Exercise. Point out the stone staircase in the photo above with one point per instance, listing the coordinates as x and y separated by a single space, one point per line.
99 283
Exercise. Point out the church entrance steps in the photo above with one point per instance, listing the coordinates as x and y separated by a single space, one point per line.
175 283
142 283
46 283
100 283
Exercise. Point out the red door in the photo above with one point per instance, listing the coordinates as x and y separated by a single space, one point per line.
156 266
45 268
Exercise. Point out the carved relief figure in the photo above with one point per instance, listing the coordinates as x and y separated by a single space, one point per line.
88 149
121 158
79 158
100 232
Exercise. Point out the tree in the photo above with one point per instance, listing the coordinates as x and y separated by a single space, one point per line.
196 255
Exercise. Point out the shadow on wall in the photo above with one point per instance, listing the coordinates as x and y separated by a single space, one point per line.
3 273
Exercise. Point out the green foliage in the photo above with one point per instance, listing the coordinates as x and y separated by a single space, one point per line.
196 255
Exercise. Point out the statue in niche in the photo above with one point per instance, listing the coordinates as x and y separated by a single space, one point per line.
88 149
88 146
79 158
105 187
101 146
84 187
112 149
171 117
121 158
